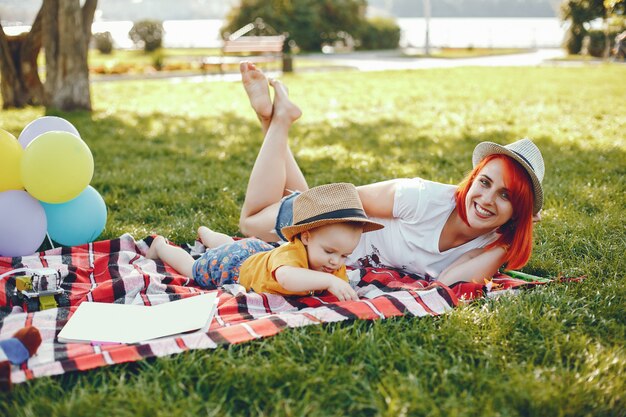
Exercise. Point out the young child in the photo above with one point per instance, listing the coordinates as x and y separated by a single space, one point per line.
327 225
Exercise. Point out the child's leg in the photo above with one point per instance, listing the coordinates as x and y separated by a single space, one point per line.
213 239
174 256
274 172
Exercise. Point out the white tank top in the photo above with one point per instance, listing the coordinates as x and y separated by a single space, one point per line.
410 239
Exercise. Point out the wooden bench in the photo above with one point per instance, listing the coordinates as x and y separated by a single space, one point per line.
257 49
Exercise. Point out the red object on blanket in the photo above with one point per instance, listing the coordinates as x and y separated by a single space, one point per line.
116 271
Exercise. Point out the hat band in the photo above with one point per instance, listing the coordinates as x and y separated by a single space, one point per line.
336 214
522 156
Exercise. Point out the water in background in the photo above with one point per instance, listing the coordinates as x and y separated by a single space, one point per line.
444 32
483 32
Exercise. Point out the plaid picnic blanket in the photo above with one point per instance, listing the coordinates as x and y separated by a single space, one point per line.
117 271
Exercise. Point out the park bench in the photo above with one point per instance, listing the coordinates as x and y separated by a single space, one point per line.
256 49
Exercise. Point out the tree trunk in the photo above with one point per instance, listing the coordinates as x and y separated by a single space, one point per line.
66 34
20 84
65 28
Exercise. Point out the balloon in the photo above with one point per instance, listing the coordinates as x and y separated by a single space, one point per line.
22 223
10 157
56 167
77 221
45 124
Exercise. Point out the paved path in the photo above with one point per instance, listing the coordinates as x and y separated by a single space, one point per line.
382 61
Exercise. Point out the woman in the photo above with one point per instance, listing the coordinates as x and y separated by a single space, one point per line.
445 232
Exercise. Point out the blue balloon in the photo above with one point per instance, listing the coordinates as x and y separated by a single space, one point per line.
77 221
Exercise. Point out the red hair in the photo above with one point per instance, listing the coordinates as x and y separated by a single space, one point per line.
517 233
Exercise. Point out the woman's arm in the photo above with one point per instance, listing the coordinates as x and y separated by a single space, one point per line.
378 198
474 266
297 279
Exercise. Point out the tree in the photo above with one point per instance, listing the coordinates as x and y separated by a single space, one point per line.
581 12
20 84
308 22
63 28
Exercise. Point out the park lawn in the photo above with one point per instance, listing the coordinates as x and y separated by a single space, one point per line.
138 62
170 155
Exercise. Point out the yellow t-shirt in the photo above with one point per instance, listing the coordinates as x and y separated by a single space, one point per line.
257 272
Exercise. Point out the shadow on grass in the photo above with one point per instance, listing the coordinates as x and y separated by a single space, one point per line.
168 174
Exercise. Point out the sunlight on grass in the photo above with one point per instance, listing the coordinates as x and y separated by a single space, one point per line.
170 156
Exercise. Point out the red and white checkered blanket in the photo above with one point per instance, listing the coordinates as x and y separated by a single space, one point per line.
116 271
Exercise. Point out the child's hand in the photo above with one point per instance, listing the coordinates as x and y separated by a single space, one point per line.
342 290
293 278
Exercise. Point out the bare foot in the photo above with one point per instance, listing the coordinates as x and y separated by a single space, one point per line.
256 86
284 108
153 251
212 239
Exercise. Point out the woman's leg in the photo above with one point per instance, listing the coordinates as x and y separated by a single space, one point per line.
275 170
174 256
256 86
213 239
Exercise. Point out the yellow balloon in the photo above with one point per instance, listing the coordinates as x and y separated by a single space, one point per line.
10 157
56 167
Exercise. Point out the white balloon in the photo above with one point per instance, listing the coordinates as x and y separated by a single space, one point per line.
42 125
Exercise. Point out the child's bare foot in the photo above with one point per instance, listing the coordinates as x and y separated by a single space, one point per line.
256 86
284 108
212 239
153 251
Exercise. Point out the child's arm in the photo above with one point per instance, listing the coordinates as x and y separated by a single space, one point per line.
474 266
296 279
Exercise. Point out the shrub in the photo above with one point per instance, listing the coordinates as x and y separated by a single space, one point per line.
379 33
158 59
147 34
596 42
103 42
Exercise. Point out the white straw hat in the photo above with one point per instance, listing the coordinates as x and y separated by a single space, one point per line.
328 204
526 153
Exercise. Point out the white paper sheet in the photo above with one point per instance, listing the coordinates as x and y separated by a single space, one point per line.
124 323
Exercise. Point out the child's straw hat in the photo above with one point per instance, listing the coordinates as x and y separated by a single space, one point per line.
328 204
526 153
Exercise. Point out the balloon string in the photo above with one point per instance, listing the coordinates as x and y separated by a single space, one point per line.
50 240
15 271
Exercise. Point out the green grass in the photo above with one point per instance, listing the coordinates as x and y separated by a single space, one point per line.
140 57
172 155
190 59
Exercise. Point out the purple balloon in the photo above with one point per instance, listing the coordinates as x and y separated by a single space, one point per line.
22 223
42 125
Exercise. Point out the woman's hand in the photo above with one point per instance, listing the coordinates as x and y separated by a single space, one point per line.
474 266
537 217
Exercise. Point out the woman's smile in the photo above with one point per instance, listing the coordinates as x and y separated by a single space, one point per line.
482 212
488 203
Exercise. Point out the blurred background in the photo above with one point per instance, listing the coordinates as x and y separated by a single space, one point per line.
453 23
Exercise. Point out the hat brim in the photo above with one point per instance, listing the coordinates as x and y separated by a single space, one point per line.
485 149
368 226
